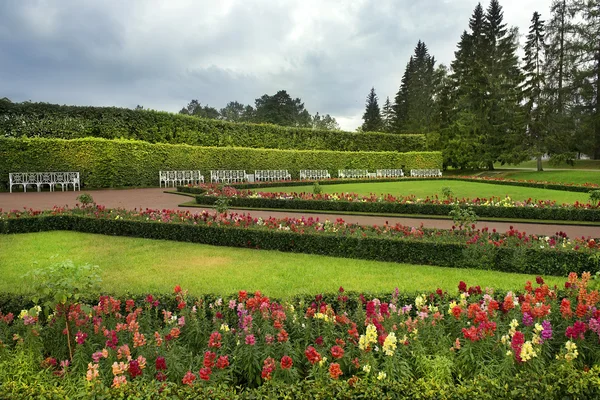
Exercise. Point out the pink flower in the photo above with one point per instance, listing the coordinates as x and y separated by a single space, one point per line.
250 340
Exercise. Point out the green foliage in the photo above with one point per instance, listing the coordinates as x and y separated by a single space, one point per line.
372 116
222 204
463 217
317 189
447 192
70 122
63 283
594 196
117 163
85 199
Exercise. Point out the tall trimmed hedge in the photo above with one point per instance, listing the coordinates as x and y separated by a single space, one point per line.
70 122
117 163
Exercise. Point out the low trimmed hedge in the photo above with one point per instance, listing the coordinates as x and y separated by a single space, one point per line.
107 163
458 255
549 213
71 122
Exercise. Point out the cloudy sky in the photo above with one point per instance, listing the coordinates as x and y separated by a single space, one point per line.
163 53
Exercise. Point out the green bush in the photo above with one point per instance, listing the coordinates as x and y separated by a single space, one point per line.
117 163
70 122
531 261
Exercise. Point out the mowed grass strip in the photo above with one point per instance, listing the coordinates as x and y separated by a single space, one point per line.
131 265
422 189
574 176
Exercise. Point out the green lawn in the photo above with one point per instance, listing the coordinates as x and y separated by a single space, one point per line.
423 189
143 265
553 176
579 164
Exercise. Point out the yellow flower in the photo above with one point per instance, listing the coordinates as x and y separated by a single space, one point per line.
381 375
420 301
572 352
367 369
527 352
224 328
451 306
389 344
369 337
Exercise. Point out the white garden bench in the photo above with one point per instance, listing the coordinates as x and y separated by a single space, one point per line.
39 179
271 175
353 173
314 174
390 173
177 178
425 173
228 176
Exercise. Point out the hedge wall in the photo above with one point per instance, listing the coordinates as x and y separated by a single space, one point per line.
117 163
69 122
530 261
549 213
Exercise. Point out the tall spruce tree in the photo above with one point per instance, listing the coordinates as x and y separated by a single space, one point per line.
414 101
533 88
372 116
560 137
587 75
387 114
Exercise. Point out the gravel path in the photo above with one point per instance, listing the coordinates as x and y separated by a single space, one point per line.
157 199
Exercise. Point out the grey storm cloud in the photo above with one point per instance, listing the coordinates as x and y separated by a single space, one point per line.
163 53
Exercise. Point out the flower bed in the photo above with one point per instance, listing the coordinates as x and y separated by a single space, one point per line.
494 207
513 251
474 342
568 187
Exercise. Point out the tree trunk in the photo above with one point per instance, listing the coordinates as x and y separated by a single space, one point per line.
539 164
490 165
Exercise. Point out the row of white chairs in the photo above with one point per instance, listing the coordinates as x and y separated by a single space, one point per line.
228 176
353 173
390 173
175 178
39 179
425 173
261 175
312 174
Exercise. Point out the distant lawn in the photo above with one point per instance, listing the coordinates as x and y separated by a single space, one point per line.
573 176
579 164
143 265
422 189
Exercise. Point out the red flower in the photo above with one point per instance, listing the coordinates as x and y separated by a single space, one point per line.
204 373
209 359
268 368
286 362
462 287
337 352
134 369
565 308
313 355
242 296
539 280
517 343
177 289
214 340
319 340
161 377
223 362
189 378
282 336
335 371
160 363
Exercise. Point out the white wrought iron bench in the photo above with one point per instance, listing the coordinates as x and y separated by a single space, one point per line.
271 175
425 173
177 178
390 173
228 176
353 173
314 174
39 179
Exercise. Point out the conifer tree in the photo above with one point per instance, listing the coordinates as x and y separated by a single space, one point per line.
387 115
533 87
372 116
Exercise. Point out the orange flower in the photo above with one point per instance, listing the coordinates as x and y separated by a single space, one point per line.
335 371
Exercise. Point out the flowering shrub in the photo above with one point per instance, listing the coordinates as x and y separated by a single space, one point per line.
249 339
477 248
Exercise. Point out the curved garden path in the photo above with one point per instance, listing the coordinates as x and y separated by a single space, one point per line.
157 199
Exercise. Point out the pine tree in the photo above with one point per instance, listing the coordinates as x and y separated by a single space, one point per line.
560 139
414 101
387 115
533 87
372 116
587 75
